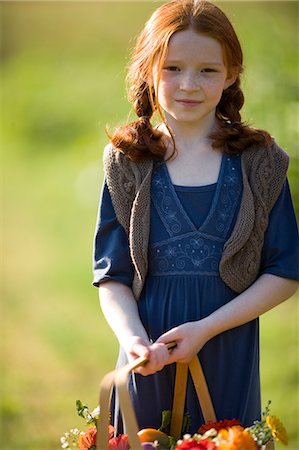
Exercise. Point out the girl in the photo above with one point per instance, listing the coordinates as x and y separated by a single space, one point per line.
196 236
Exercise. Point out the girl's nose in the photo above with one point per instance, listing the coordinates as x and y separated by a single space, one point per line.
189 82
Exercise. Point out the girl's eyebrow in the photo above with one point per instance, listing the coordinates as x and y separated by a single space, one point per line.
203 63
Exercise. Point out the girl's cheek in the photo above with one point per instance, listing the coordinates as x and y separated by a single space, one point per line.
165 88
214 86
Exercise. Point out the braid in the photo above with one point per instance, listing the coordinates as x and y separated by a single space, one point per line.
231 103
233 135
139 140
140 97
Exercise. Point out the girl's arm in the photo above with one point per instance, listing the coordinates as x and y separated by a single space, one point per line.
121 312
267 292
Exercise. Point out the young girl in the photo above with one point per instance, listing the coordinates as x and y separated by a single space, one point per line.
196 235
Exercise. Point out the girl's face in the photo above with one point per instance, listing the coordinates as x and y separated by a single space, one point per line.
192 79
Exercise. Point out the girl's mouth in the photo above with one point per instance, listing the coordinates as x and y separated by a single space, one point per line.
186 102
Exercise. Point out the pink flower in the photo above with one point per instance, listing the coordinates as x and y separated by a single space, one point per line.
119 443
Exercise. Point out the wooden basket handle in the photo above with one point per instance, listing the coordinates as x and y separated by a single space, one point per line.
119 378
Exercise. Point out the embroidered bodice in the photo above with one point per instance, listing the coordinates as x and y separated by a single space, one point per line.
188 249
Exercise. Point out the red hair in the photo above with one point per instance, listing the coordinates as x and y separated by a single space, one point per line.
139 140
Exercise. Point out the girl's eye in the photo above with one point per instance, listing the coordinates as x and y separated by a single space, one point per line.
209 70
172 68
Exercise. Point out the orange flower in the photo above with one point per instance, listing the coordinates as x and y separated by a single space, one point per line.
119 443
88 439
110 431
236 438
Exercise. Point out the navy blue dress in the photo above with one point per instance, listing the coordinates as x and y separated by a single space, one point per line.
188 229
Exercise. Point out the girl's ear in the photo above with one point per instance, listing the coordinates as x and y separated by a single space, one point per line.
231 78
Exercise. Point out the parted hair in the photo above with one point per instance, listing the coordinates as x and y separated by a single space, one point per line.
140 139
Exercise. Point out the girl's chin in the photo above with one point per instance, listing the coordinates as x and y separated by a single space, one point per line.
191 122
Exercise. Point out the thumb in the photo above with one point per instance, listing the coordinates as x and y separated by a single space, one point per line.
169 337
140 350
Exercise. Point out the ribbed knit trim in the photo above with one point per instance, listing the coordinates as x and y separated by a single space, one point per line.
264 172
129 186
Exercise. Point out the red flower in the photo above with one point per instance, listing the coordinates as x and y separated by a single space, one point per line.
119 443
193 444
222 424
87 440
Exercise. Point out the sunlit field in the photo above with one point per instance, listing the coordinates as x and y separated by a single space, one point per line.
63 68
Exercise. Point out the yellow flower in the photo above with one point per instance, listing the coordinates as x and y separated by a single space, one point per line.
277 429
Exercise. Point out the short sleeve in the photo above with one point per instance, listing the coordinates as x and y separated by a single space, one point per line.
111 257
281 246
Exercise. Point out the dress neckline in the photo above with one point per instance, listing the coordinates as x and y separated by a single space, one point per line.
217 190
195 189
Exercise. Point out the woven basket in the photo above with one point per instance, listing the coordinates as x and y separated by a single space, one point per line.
119 379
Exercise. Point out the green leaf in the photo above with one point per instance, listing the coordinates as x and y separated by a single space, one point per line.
83 411
186 424
80 408
166 418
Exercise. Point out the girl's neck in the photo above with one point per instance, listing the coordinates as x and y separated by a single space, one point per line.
189 136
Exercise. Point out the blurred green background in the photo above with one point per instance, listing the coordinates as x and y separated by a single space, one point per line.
62 81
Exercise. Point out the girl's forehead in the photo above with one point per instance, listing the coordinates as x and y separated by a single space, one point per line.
188 44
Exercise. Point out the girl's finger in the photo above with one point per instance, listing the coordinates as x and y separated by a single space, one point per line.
169 336
141 350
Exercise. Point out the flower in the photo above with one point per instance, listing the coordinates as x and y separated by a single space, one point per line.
119 443
268 427
88 439
222 424
194 444
277 429
221 435
70 438
110 431
236 438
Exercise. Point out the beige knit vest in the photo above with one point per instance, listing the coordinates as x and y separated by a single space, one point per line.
264 172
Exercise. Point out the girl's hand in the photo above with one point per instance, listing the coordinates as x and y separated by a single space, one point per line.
135 346
157 354
190 338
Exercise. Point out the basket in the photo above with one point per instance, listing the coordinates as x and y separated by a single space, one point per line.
119 379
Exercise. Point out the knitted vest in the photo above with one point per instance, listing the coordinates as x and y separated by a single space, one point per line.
263 171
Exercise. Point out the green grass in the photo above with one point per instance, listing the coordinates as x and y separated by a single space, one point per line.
62 77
